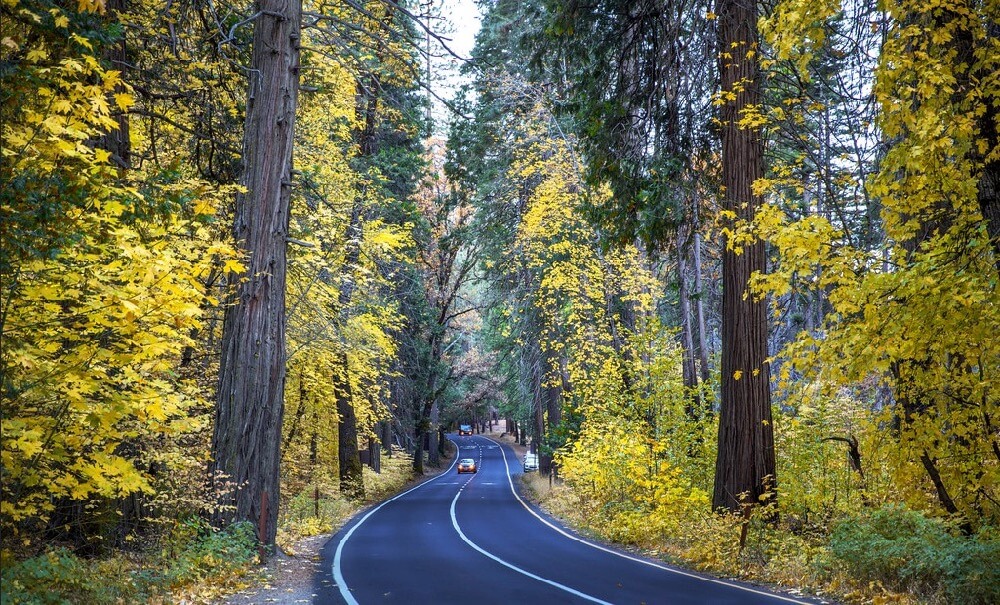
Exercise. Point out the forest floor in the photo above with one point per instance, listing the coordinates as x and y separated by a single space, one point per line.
286 578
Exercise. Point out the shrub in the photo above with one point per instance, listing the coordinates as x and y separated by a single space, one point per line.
59 577
213 554
905 549
45 579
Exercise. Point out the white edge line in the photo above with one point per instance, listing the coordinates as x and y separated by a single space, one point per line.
461 534
510 482
338 576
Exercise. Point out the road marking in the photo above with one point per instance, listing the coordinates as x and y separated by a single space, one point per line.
338 574
510 482
461 534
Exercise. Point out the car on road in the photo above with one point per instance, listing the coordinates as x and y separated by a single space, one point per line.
465 429
466 465
530 462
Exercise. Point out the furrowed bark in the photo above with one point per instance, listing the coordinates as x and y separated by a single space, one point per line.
745 466
246 441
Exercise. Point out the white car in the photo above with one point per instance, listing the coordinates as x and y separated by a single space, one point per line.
530 462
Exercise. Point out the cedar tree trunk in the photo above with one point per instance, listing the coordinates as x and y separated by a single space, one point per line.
246 441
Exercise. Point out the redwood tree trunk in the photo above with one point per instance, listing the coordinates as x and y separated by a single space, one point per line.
246 441
745 462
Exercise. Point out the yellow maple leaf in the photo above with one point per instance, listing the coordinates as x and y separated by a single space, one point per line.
124 101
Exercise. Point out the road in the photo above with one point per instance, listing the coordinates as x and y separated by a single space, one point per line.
470 538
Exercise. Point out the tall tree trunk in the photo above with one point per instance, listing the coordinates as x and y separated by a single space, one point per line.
688 371
552 393
429 398
745 462
348 457
420 424
988 125
433 453
537 397
117 141
246 442
699 294
300 411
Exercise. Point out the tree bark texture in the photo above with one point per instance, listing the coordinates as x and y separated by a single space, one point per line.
988 189
745 466
699 294
433 453
552 392
246 443
117 141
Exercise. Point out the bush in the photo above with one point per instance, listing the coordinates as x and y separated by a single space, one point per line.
46 579
906 550
213 554
59 577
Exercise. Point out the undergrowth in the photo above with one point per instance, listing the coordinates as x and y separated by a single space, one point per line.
191 562
880 555
300 519
59 576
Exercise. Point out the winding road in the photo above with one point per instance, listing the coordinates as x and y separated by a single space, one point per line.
470 538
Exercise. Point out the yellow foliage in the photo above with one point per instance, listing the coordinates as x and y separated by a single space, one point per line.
919 315
101 284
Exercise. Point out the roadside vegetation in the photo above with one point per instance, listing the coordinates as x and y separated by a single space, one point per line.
191 561
884 554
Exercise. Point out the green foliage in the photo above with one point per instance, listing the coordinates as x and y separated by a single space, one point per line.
47 579
639 105
211 553
59 577
906 549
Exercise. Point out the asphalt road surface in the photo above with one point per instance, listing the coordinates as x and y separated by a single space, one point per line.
470 538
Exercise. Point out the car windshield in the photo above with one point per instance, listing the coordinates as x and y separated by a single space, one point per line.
465 427
466 461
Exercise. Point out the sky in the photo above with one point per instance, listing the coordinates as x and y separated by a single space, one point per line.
463 25
464 16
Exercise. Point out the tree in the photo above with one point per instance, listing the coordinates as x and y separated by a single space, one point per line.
100 270
246 443
903 313
638 83
446 262
745 465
